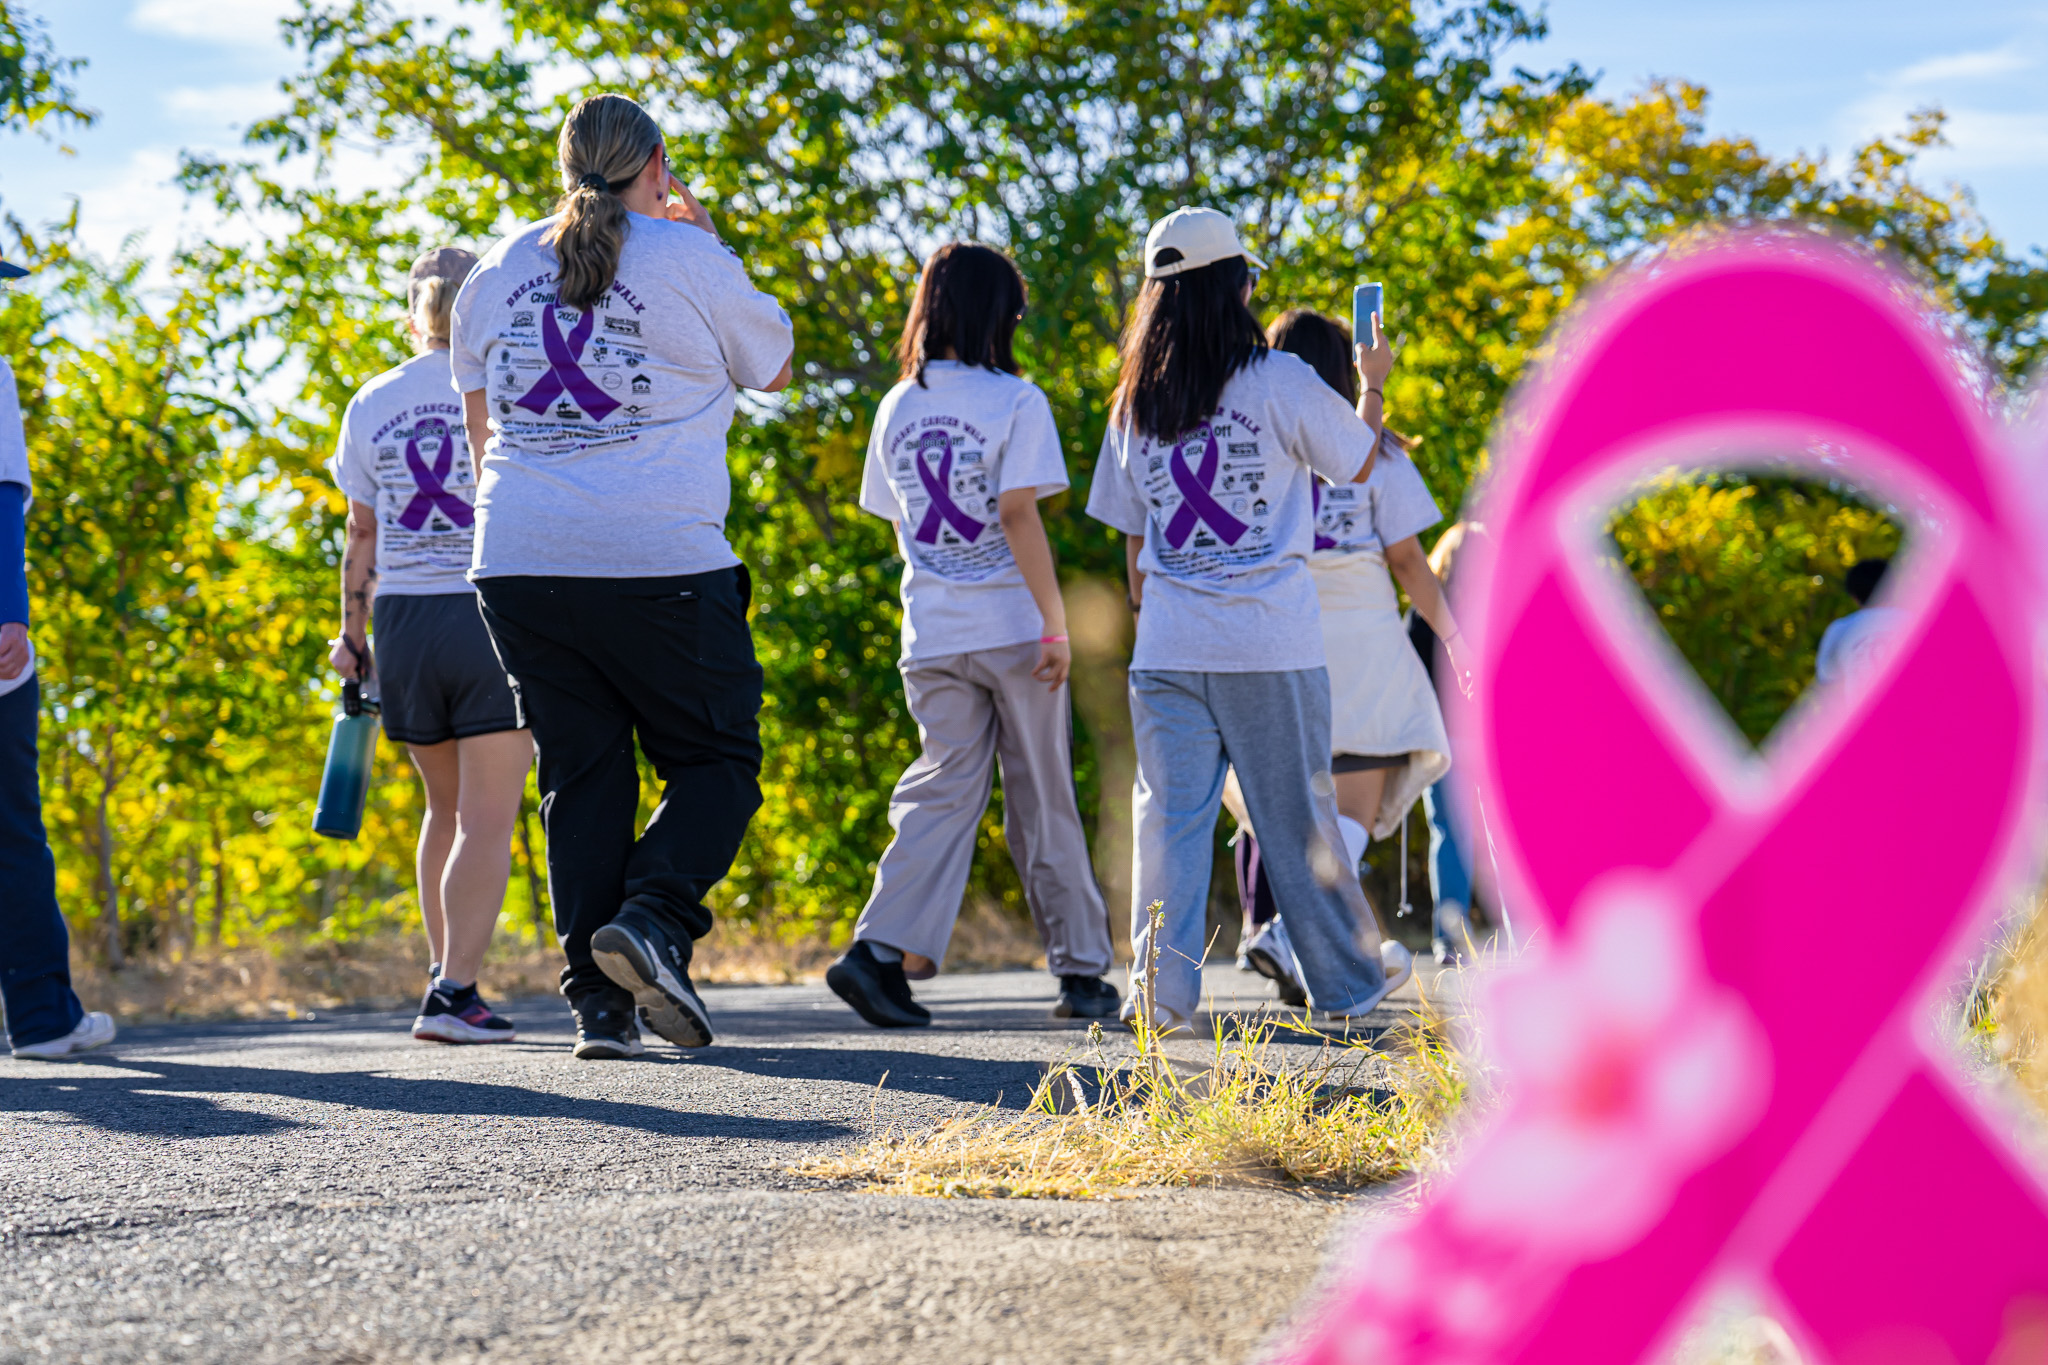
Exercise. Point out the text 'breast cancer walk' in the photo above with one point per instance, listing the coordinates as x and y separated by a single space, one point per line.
566 380
939 465
1207 494
1686 1104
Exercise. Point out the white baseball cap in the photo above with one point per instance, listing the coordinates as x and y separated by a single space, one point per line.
1201 236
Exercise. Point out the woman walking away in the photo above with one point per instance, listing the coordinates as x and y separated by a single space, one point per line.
603 349
962 450
1386 730
1206 468
404 464
44 1019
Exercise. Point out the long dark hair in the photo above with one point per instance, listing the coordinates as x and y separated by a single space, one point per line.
969 299
1325 344
1189 333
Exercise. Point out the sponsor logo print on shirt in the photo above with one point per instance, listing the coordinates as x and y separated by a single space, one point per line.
1206 489
940 467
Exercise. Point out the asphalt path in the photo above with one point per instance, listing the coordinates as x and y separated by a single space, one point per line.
331 1190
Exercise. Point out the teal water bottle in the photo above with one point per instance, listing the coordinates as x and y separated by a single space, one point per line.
345 783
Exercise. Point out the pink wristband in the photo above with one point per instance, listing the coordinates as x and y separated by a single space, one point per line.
1052 639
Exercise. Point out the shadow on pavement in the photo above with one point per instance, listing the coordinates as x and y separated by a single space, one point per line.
970 1080
179 1099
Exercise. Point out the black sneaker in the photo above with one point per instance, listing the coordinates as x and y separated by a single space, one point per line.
641 957
877 990
607 1035
1086 997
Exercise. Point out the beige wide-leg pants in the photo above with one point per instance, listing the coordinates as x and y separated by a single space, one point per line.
973 711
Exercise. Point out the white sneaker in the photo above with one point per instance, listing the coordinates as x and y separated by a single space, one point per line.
95 1030
1397 964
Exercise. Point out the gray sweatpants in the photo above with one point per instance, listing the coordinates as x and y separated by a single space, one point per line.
1275 728
974 710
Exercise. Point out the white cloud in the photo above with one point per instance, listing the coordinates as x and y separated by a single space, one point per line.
234 105
1998 61
245 23
1990 138
253 23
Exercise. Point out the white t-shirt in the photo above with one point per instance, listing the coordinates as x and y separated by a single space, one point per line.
1357 521
939 458
13 439
1228 519
402 451
608 427
1857 645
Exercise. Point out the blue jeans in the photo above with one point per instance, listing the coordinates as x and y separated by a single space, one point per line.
1450 872
35 950
1275 729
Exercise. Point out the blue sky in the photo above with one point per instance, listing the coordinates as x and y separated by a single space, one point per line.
1822 75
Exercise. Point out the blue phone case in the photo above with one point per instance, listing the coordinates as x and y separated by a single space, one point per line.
1366 300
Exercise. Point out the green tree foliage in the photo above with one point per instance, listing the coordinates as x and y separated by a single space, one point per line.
1354 139
35 82
1744 573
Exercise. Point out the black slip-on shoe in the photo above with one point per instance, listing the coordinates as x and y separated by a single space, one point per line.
607 1035
635 954
877 990
1086 997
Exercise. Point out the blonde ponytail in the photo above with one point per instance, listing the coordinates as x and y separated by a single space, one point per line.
603 148
433 309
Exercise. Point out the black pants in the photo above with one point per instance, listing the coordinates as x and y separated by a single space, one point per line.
35 951
596 662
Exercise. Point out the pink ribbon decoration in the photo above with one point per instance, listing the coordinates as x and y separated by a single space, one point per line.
565 370
433 484
1196 502
942 506
1718 1065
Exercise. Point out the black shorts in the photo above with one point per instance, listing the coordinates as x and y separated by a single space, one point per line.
1365 763
437 671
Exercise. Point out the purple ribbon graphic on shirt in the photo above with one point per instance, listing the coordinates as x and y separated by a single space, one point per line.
1196 502
433 484
1323 542
943 508
565 373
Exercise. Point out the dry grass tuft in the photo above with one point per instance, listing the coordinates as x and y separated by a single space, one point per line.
2017 1016
1357 1114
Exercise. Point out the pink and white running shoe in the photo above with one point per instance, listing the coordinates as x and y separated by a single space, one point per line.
459 1015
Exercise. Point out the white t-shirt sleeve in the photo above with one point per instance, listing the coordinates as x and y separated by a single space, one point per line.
13 438
349 466
1404 506
469 332
1111 499
1032 459
877 493
752 329
1315 424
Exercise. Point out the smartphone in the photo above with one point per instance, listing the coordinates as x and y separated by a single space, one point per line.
1367 302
